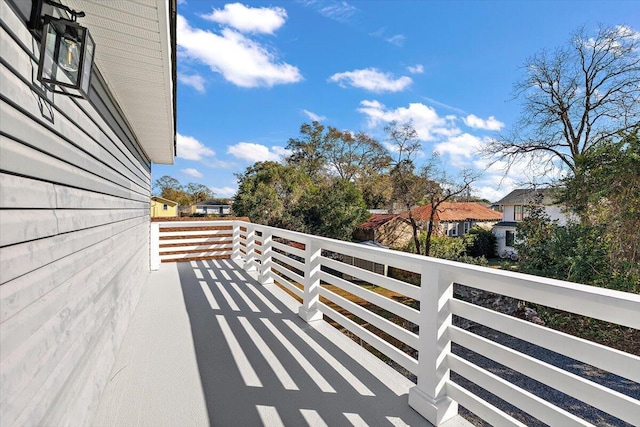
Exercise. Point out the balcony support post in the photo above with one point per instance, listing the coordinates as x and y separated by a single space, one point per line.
311 293
429 397
154 247
235 242
265 257
250 260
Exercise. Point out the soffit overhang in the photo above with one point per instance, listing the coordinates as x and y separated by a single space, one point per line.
135 55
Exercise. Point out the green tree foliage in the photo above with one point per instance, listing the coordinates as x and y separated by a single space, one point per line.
170 188
449 248
284 196
479 242
575 252
605 192
268 192
198 192
332 211
329 152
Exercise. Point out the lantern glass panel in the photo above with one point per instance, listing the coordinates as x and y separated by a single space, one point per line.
87 63
67 56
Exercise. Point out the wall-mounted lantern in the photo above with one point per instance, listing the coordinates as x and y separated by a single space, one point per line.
66 50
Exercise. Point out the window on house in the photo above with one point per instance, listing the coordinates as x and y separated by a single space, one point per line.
454 231
510 237
467 226
520 212
165 207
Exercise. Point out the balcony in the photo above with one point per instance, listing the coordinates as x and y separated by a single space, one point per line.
239 335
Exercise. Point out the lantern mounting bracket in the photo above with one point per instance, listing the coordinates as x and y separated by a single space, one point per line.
66 48
35 22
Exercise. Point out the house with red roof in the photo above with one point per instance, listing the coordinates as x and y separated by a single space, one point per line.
455 219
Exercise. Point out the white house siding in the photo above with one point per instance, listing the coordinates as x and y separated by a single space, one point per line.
74 232
508 213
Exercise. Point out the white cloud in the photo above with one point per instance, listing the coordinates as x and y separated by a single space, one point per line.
337 10
253 152
415 69
240 60
424 119
313 116
195 173
223 191
397 40
371 79
476 122
191 149
249 19
461 149
196 81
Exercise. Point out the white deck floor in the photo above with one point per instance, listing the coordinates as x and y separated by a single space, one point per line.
208 345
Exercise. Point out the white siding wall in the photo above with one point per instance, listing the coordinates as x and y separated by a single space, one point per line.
508 213
74 226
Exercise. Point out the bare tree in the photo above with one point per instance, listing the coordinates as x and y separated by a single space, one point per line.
431 187
574 98
441 188
408 188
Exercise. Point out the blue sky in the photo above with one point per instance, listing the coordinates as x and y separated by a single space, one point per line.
251 73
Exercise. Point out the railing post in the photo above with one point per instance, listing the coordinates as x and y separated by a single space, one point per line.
250 262
154 247
429 397
311 293
235 241
265 258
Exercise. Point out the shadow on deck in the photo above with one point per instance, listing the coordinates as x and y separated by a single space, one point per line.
208 345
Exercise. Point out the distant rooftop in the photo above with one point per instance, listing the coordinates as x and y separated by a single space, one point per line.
458 211
525 196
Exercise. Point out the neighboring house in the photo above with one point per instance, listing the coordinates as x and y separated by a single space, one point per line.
514 207
212 207
455 219
391 230
163 208
75 179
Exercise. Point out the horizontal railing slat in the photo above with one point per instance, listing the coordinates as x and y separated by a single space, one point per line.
480 407
289 249
288 273
612 306
288 261
188 233
522 399
397 332
394 285
187 224
286 283
596 395
408 313
194 255
398 356
615 361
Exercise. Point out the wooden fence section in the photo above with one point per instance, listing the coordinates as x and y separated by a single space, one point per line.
191 240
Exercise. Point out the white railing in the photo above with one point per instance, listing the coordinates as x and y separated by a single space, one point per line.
417 330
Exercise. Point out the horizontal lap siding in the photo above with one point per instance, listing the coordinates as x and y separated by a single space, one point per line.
74 232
